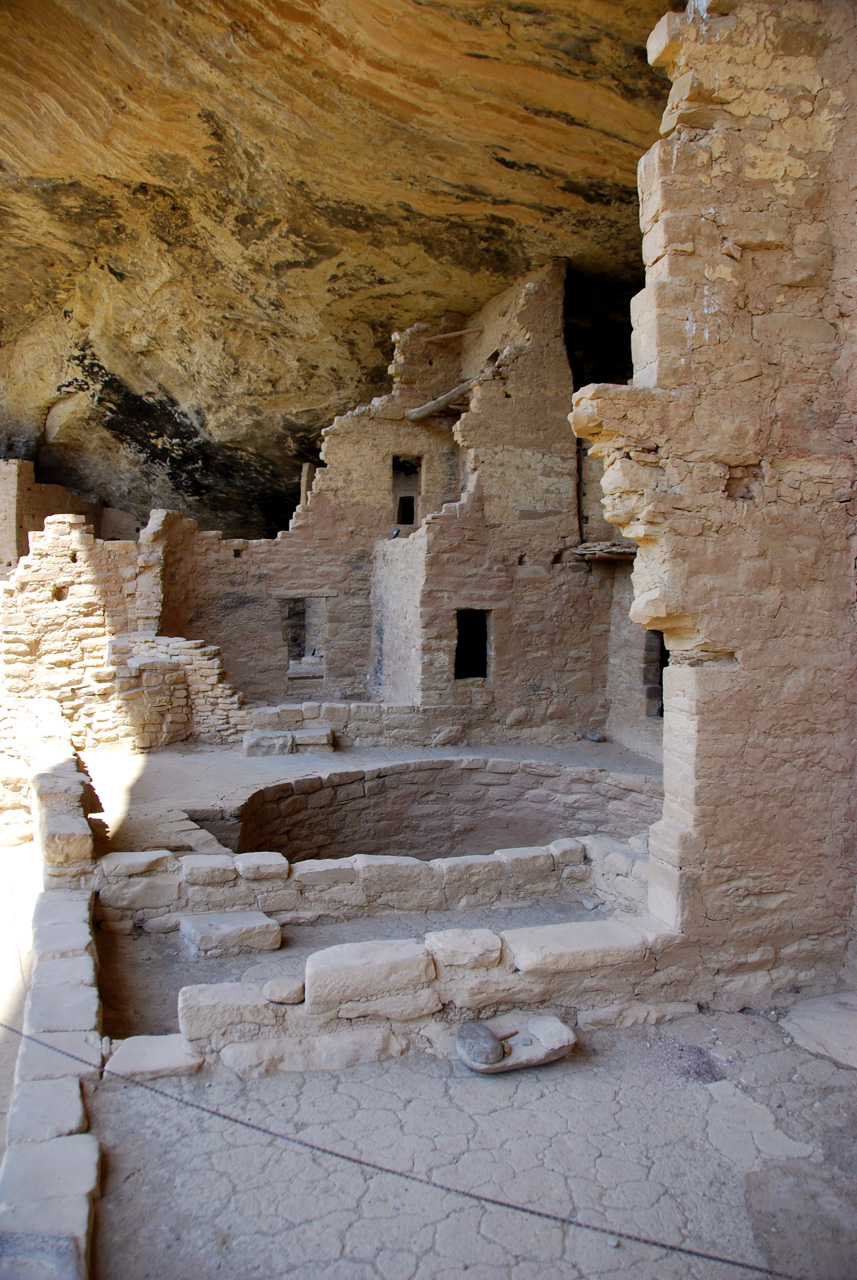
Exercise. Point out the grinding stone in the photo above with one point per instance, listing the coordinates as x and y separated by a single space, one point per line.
477 1043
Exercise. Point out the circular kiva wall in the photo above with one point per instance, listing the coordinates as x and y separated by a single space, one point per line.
445 808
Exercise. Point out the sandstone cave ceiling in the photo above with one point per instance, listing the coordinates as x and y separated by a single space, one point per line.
213 215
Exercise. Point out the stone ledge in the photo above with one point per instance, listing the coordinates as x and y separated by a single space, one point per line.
563 948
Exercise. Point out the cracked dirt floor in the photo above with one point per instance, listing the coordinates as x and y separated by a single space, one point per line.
714 1133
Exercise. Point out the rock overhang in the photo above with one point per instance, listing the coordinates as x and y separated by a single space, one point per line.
214 222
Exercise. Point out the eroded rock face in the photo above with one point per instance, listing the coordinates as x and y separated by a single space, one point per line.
214 216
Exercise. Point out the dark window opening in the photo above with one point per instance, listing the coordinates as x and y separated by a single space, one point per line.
236 553
295 628
471 644
597 323
407 487
655 659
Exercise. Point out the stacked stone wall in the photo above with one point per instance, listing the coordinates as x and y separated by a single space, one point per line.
440 808
730 461
70 614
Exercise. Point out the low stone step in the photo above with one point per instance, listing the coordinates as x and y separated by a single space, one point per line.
150 1057
318 739
268 742
283 742
229 932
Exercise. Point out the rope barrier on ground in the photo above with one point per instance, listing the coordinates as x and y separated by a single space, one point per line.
416 1178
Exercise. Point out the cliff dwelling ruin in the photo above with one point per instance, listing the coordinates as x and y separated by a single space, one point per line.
428 599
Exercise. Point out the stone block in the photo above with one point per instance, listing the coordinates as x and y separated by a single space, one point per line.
58 791
56 941
470 880
218 897
360 970
46 1240
469 948
270 898
262 866
665 41
44 1109
263 718
60 1053
633 1013
328 1052
402 1006
60 906
563 948
321 872
403 883
66 1008
150 1057
134 864
64 838
566 853
319 739
230 931
525 867
134 893
284 990
268 742
67 1166
475 989
162 924
207 868
68 971
208 1008
291 715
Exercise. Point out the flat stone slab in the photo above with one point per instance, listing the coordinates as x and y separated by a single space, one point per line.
54 941
467 948
44 1109
284 990
31 1250
44 1170
149 1057
828 1025
330 1052
207 868
364 970
268 742
529 1042
67 972
62 907
211 1007
134 863
60 1053
229 931
265 865
563 948
66 1008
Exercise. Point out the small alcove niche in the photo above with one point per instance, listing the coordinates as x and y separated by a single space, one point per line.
407 486
472 644
655 658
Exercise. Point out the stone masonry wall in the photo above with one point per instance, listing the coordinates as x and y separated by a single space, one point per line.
440 808
70 615
730 461
24 505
